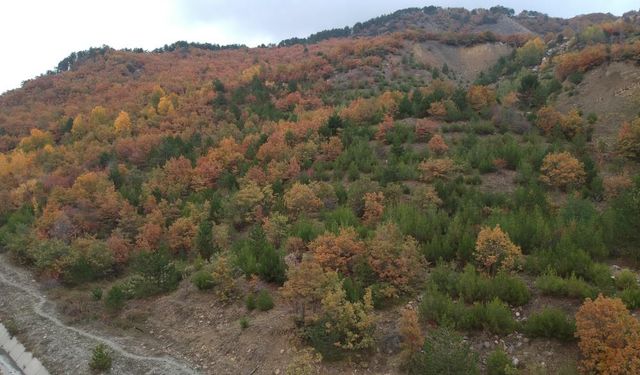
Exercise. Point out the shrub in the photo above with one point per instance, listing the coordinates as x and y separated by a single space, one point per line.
631 298
115 299
203 280
250 302
550 323
497 317
96 294
626 279
244 322
100 359
264 301
552 284
498 363
444 353
510 289
609 337
11 326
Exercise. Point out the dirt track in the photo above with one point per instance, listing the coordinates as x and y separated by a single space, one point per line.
66 349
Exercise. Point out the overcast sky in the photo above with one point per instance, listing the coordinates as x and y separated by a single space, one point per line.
36 34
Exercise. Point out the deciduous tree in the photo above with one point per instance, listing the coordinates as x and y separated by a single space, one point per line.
562 170
609 337
495 252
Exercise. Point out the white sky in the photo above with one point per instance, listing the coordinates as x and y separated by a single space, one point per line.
36 34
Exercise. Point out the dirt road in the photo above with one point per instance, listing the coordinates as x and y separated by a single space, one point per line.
65 349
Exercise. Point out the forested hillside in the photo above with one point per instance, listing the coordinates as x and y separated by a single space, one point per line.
436 191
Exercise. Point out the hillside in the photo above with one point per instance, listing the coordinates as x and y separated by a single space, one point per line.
434 191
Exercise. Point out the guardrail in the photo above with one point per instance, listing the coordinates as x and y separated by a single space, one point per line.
26 362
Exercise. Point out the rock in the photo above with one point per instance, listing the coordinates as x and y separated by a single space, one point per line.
277 372
517 314
526 340
515 362
390 344
281 351
487 344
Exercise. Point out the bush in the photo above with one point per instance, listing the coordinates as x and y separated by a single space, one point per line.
497 317
96 294
510 289
100 359
11 326
264 301
115 299
444 353
626 279
573 287
550 323
250 302
244 322
498 363
631 298
473 286
203 280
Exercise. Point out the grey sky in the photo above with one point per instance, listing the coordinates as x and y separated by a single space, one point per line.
39 33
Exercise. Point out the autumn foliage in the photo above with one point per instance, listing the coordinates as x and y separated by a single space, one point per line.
495 252
562 170
609 337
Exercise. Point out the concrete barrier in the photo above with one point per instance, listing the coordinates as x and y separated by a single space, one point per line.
26 362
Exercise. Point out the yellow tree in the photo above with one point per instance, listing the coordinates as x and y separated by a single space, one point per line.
495 251
122 124
300 199
562 170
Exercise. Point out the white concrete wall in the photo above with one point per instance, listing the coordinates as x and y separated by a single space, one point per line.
19 354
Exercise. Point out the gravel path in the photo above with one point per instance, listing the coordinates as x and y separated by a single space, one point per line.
65 349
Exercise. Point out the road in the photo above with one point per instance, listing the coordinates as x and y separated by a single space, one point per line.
66 349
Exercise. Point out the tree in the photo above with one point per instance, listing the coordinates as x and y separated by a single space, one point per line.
572 124
437 145
306 284
122 124
395 259
480 97
609 337
562 170
495 252
100 358
337 252
301 199
373 208
433 169
181 235
548 119
629 139
411 331
383 128
531 53
352 323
